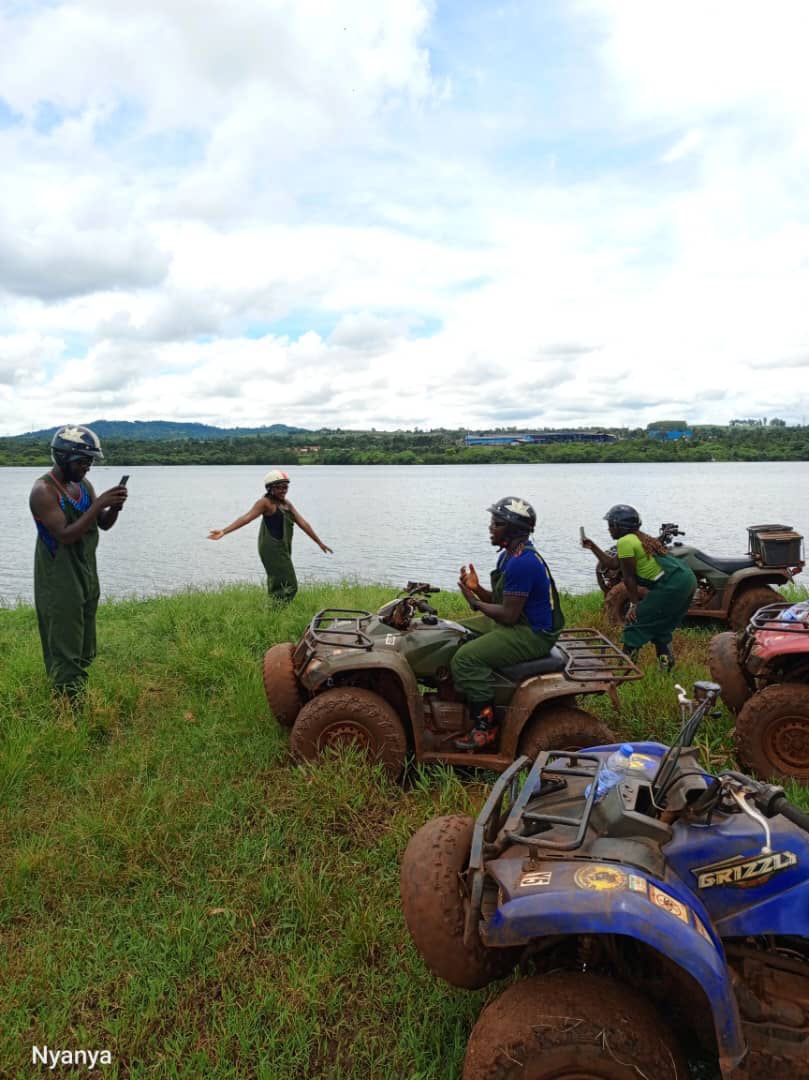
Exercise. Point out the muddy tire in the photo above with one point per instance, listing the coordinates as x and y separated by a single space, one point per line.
571 1025
723 661
559 727
349 715
280 684
433 905
772 732
746 603
616 603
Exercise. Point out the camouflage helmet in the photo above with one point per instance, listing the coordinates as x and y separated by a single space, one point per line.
72 442
624 516
514 511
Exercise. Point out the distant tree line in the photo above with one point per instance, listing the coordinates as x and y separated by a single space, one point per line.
772 441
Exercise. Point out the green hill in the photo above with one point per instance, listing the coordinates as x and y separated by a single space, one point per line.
159 430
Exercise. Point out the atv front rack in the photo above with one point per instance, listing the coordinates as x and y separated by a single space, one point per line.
767 618
495 827
594 658
321 630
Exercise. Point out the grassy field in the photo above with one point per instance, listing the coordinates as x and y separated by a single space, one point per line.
174 891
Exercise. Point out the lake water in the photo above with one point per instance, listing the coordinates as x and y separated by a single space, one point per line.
397 523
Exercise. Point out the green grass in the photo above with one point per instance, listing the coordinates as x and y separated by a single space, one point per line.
175 891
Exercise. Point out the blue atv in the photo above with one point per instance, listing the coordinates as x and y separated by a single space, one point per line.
660 920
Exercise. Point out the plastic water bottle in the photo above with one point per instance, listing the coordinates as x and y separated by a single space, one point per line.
618 765
797 613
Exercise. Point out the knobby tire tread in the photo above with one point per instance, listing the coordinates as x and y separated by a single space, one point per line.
355 706
280 685
746 603
540 1024
433 905
762 710
563 727
723 662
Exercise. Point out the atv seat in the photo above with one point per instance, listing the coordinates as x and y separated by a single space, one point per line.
556 660
727 566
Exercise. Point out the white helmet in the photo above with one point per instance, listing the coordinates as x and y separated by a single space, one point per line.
275 476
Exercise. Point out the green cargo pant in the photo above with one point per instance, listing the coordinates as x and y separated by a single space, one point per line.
664 607
474 665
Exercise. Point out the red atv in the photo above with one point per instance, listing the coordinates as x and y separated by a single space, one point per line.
764 675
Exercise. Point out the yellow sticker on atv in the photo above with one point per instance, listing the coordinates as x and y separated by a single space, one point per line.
600 878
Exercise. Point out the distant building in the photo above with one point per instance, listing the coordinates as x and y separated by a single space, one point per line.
668 430
533 438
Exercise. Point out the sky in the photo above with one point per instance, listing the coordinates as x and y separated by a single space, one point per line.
403 213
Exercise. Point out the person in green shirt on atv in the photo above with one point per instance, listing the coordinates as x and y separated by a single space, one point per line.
645 563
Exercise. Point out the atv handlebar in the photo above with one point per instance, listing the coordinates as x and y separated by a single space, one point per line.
783 806
413 587
769 799
668 530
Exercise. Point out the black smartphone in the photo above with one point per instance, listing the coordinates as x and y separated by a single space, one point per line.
123 481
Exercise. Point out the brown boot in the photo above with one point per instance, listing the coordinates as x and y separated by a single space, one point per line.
483 734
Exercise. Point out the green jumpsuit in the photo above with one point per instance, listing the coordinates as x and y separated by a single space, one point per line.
475 663
664 607
276 554
66 596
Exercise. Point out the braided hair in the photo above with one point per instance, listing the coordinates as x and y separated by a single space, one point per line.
651 544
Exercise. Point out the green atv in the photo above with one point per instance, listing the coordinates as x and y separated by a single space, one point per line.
382 681
728 590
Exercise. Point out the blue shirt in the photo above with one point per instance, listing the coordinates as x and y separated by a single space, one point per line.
526 575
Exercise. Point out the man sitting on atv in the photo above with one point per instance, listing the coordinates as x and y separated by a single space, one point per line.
524 605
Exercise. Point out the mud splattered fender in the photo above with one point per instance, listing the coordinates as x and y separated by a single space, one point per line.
608 898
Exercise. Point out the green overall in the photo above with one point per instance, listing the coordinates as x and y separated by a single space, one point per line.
475 663
665 605
66 597
276 554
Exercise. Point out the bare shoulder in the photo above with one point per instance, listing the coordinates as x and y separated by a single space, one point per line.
40 492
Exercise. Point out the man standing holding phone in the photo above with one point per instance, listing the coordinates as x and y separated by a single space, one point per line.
68 515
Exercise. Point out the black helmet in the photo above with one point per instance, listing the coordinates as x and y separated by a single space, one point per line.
626 517
515 511
73 442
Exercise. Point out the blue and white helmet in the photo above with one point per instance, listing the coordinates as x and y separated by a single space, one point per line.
75 441
515 511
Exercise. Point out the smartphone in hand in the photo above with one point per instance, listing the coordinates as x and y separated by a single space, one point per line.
582 536
123 481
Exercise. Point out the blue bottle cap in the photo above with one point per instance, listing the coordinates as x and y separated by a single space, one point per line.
626 749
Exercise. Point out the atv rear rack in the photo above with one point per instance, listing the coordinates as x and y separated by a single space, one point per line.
594 658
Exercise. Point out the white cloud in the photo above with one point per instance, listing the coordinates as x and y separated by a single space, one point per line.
352 214
684 146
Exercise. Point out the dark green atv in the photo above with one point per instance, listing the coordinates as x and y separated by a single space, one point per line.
728 590
382 681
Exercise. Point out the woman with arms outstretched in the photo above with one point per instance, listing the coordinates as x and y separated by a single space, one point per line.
278 519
